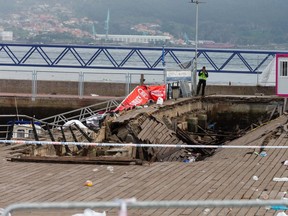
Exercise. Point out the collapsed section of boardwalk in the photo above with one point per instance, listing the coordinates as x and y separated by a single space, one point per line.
153 125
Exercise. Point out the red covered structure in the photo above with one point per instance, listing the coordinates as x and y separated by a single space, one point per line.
141 95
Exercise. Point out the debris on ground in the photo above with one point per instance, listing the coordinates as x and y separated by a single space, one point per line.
149 125
89 212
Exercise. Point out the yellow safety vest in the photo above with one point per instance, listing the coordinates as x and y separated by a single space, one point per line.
202 76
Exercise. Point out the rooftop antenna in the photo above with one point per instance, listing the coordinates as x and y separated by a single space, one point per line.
106 28
194 70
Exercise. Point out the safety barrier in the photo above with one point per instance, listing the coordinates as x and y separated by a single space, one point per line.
132 203
137 145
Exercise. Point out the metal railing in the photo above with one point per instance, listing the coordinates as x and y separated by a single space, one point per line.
131 61
57 120
132 58
82 113
121 204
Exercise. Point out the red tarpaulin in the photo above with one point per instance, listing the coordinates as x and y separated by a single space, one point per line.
157 91
140 96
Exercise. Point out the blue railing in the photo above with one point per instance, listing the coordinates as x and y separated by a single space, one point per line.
133 58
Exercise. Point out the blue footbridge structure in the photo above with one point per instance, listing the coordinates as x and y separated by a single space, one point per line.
133 58
126 64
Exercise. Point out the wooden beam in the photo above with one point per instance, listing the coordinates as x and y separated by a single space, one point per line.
82 160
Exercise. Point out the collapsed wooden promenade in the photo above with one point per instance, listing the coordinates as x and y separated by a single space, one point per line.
230 174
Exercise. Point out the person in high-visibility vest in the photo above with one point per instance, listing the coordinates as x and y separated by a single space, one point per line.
202 75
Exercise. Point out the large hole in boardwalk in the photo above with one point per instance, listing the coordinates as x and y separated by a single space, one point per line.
210 123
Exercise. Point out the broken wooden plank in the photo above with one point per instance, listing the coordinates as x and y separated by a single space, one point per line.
145 123
14 146
142 133
140 153
83 160
153 133
167 154
147 130
23 151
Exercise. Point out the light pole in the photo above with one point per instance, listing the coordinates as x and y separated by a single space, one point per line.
194 70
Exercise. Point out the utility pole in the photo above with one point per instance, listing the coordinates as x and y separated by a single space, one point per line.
107 25
194 70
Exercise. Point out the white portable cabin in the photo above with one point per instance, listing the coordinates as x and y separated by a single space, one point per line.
282 75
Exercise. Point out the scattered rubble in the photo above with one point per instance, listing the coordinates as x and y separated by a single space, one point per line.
138 126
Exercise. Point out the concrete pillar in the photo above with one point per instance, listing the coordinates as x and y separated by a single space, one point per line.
202 121
192 122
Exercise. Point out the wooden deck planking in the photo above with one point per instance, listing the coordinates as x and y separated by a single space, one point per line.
256 169
155 132
170 186
181 191
224 181
202 184
157 184
142 135
255 190
79 181
138 184
114 181
219 177
266 173
192 170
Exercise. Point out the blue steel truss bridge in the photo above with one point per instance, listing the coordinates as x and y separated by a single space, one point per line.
133 58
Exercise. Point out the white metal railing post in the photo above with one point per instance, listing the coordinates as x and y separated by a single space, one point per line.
81 84
34 84
128 82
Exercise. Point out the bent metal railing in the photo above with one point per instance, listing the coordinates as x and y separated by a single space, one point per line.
132 58
57 120
82 113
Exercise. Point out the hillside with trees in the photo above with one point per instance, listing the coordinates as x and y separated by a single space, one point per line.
245 22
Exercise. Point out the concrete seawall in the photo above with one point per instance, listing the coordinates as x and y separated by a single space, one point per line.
113 89
62 88
55 97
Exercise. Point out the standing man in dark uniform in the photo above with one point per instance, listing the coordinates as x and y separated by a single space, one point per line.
203 74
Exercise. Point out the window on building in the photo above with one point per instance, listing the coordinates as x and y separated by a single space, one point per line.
20 133
283 68
31 134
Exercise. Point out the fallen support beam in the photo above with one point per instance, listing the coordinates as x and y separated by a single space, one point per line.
190 142
81 160
15 146
26 150
83 133
75 138
57 148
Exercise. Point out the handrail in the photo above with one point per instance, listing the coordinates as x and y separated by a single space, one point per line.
82 113
131 58
123 204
